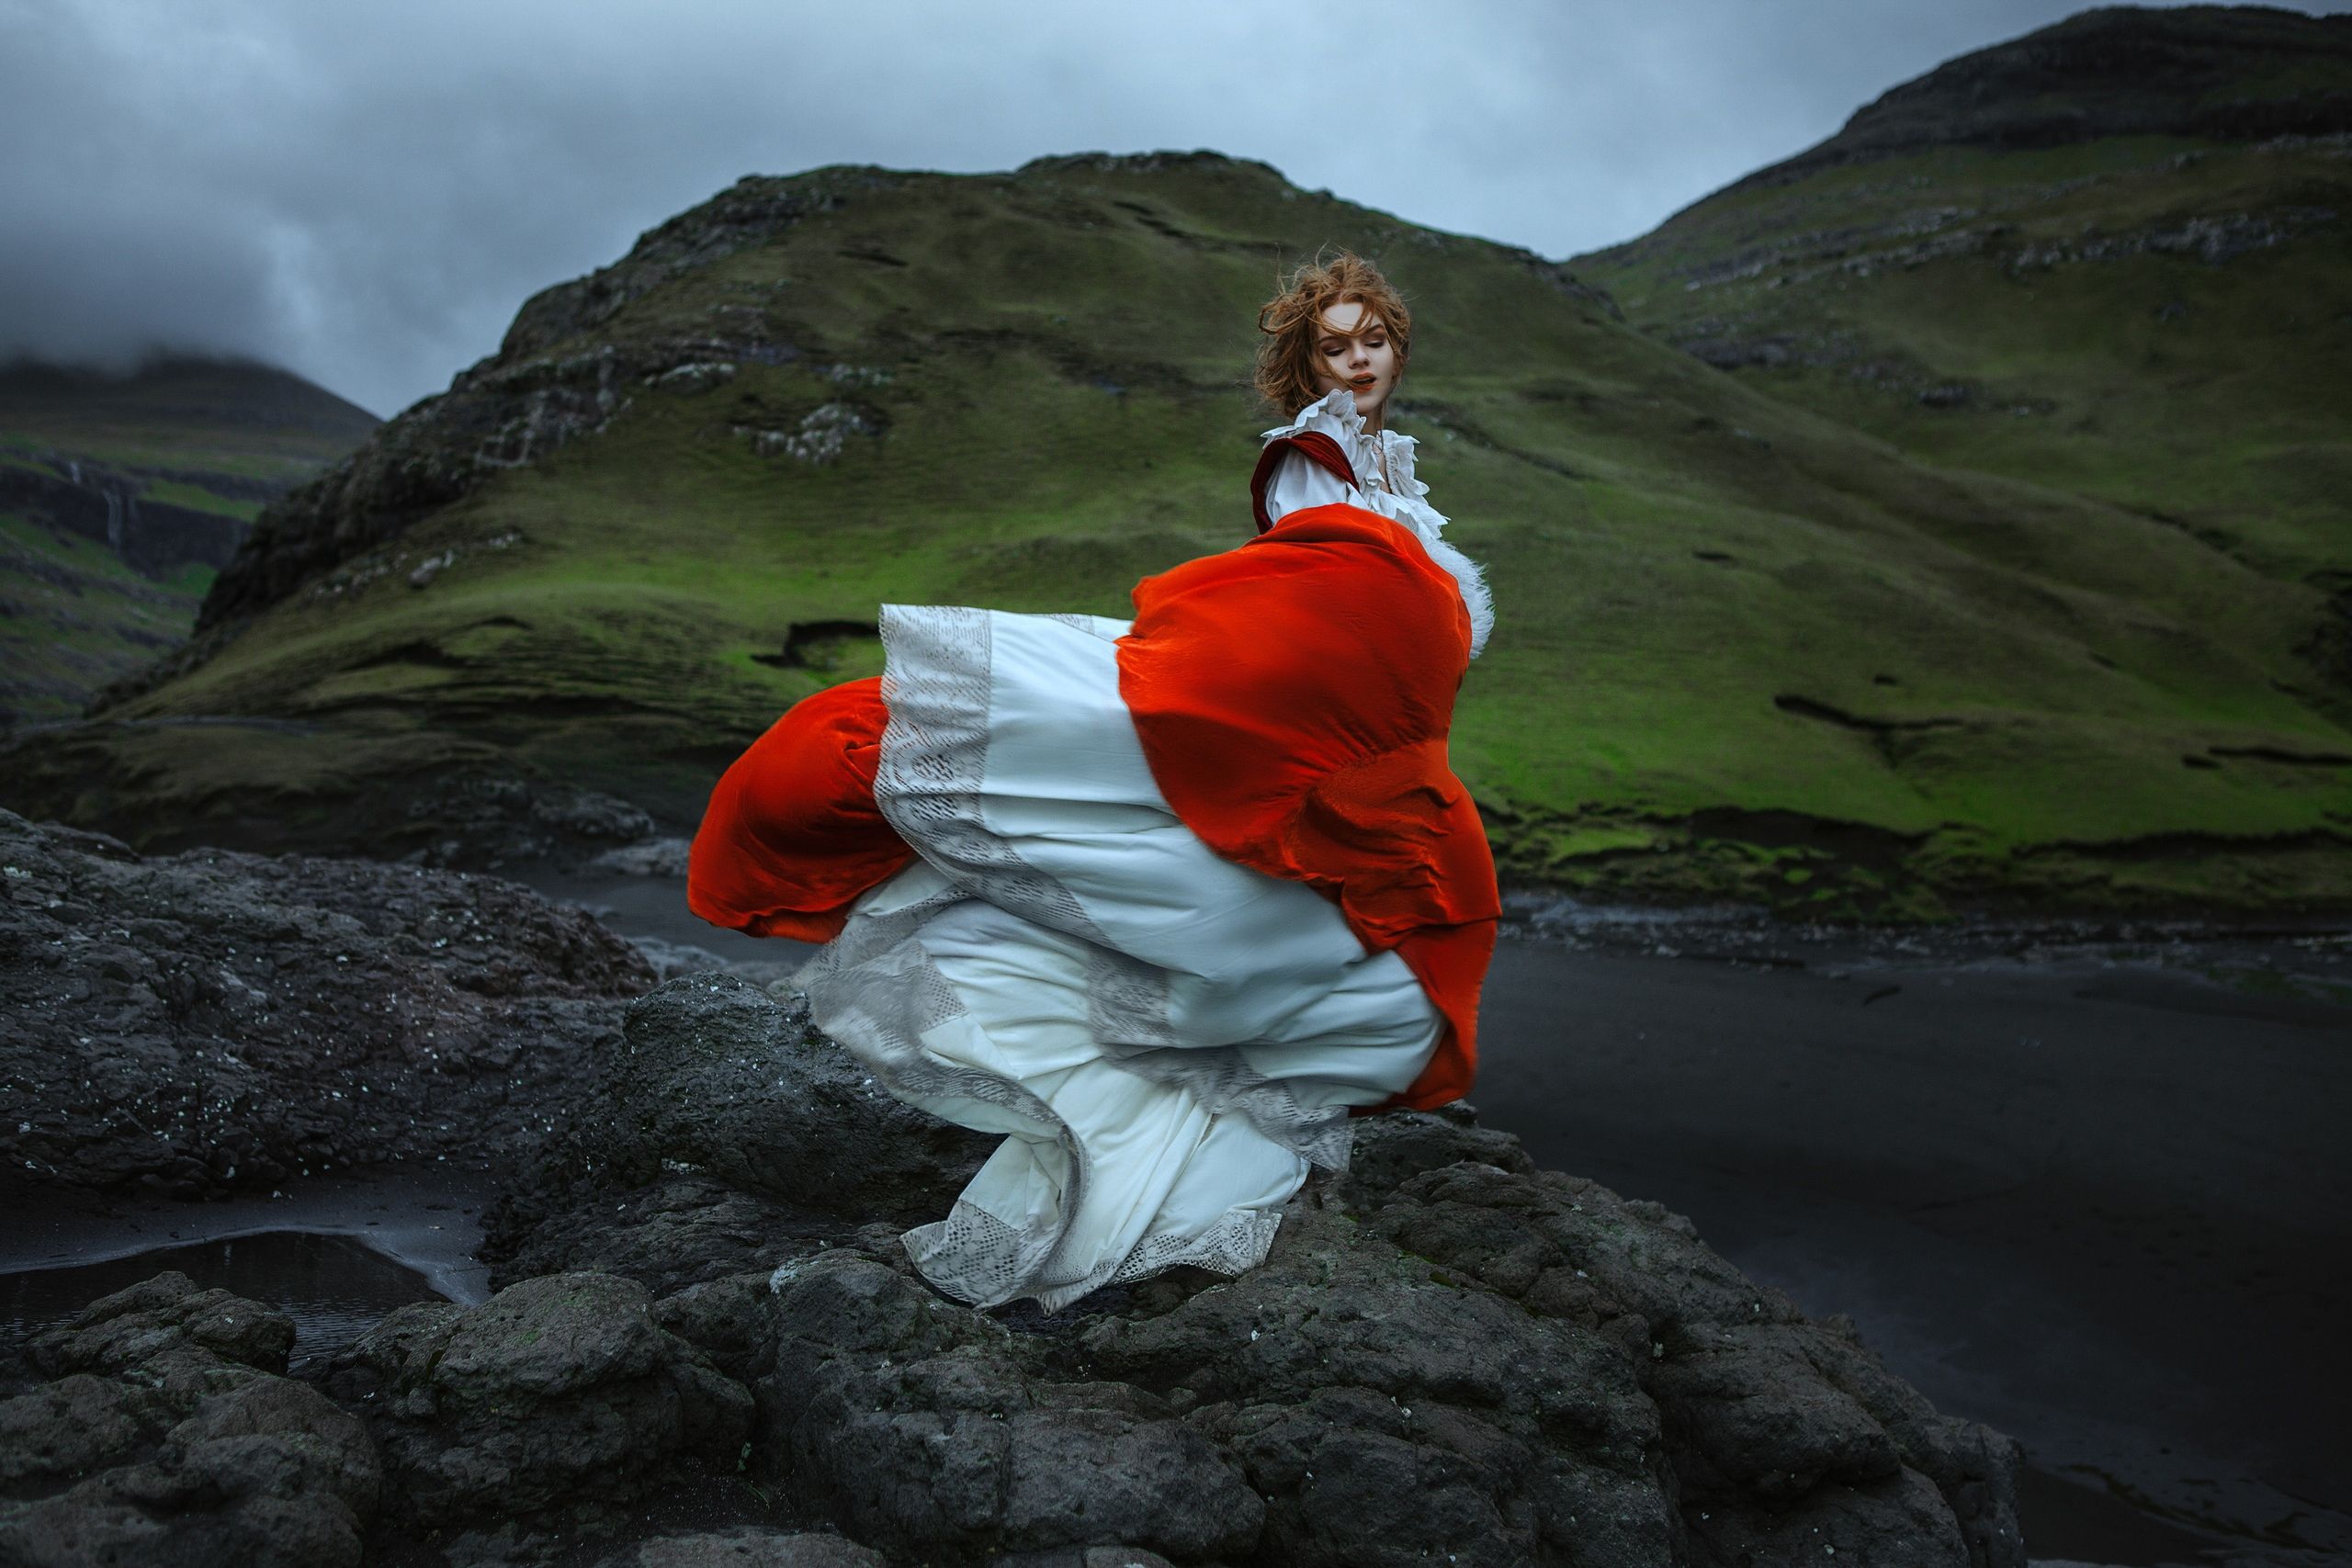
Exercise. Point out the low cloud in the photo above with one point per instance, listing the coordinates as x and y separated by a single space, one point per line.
366 194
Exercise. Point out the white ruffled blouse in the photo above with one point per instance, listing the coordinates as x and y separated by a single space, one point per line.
1384 484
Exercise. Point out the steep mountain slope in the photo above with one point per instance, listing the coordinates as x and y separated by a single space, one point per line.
1742 650
121 496
2113 256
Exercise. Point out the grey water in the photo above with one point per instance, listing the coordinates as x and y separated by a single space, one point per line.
334 1287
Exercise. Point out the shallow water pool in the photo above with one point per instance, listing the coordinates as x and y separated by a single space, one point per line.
334 1287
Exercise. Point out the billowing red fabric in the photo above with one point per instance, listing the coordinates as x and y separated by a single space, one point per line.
792 835
1315 446
1294 697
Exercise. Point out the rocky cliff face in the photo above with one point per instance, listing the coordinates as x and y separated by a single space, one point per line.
120 494
105 505
2234 73
527 400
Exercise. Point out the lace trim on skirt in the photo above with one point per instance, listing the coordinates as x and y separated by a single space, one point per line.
1217 1074
934 758
875 990
933 763
879 1008
972 1246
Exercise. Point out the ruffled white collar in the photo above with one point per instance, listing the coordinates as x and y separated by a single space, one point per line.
1335 415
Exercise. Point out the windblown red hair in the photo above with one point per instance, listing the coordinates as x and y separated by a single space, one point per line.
1292 322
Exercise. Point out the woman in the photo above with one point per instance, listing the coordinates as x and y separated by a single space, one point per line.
1164 901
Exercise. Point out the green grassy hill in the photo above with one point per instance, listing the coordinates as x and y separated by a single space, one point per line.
2112 257
1743 649
121 495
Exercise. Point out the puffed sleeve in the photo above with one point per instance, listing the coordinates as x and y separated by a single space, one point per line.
1299 482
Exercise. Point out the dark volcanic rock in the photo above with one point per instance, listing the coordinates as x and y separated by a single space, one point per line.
478 822
1782 1432
558 1397
679 1230
169 1332
751 1549
724 1134
1449 1354
168 1440
712 1072
934 1430
213 1021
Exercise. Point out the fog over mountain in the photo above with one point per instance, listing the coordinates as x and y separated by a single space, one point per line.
366 194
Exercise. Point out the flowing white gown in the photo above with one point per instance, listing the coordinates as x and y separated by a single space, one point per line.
1168 1040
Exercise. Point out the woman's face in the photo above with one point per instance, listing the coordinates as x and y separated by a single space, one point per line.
1352 353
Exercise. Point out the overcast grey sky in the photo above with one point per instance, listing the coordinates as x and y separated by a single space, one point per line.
366 192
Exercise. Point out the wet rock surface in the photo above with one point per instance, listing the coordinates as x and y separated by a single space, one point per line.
723 1133
934 1430
168 1435
709 1344
1449 1353
486 823
210 1022
751 1549
558 1398
1784 1436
